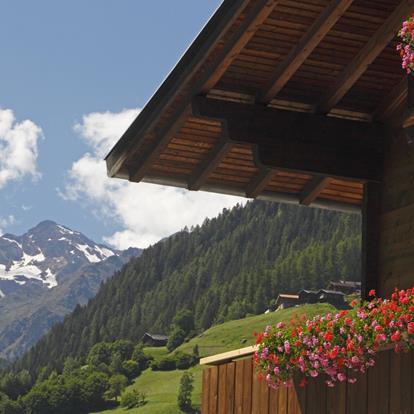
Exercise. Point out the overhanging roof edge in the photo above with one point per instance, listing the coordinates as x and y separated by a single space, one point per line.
191 60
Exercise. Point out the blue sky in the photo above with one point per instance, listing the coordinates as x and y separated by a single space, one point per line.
80 71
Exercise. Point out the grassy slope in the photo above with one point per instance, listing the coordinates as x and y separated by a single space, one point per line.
161 388
229 335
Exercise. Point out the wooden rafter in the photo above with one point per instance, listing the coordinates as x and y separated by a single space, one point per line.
138 171
213 160
365 57
402 118
308 43
257 15
301 142
213 70
392 101
193 65
259 183
313 189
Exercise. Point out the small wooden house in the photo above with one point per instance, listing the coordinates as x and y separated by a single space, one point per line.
154 339
301 102
308 296
347 287
332 297
285 300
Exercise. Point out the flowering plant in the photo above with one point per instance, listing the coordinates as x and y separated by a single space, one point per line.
338 345
406 46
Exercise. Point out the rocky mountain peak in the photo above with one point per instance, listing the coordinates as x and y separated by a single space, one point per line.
45 253
44 274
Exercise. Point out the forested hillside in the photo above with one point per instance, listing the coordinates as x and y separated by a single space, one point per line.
230 266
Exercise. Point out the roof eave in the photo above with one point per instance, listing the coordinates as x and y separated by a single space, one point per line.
185 68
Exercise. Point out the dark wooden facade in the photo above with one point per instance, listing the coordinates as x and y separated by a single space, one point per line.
387 388
154 339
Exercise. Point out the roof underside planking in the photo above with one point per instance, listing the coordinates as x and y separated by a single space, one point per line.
277 99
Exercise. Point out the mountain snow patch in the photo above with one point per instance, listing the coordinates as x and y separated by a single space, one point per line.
27 268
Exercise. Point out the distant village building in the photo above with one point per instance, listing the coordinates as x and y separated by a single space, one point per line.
154 339
285 300
308 296
345 286
332 297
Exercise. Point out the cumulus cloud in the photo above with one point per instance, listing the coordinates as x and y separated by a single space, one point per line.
5 222
145 212
18 148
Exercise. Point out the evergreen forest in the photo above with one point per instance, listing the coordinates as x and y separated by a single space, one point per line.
229 267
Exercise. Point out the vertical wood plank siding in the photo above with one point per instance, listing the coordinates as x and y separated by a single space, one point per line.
387 388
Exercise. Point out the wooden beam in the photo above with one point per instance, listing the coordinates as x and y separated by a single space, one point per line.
213 160
402 118
259 12
313 189
370 238
365 57
138 171
229 356
294 141
410 91
260 182
392 101
317 31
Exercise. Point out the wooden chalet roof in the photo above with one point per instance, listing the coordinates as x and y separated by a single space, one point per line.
278 99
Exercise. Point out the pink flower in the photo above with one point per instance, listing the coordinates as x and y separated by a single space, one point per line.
355 360
341 377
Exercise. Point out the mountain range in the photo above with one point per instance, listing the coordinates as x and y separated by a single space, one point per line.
44 274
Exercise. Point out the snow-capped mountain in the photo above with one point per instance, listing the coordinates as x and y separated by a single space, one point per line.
44 274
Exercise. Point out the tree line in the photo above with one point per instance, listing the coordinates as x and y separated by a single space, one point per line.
229 267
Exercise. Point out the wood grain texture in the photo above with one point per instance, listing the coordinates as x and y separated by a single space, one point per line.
387 388
214 383
300 142
264 398
356 394
200 176
274 407
230 387
205 409
379 385
256 16
256 395
370 236
238 388
336 399
248 372
313 189
304 48
260 182
222 389
365 57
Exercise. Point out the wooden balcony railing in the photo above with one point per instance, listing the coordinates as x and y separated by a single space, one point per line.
230 386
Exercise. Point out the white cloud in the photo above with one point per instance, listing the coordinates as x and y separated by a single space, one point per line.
5 222
18 148
102 129
145 212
